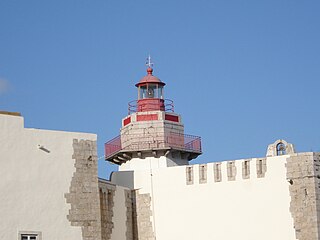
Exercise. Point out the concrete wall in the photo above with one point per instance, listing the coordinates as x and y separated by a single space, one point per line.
36 171
120 210
152 162
249 201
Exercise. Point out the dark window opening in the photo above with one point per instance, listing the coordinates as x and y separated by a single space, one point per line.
281 149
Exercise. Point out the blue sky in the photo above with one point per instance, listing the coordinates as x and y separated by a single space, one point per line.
241 73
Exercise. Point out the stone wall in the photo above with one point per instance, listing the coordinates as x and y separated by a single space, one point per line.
106 192
83 195
143 214
131 221
304 182
145 135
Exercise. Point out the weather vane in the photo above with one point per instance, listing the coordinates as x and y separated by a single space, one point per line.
148 62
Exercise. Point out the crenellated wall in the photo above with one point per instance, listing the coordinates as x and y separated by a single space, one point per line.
240 199
226 171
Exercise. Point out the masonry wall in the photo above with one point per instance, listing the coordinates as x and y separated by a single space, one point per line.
250 200
83 195
37 168
303 175
145 134
116 204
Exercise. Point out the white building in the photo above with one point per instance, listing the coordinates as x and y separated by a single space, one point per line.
49 185
50 189
273 197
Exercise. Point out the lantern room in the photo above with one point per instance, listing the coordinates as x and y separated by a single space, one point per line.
150 93
150 86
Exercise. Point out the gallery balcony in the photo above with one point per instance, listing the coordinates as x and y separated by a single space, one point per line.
119 150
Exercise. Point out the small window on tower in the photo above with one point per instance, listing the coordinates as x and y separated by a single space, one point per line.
152 91
160 92
142 92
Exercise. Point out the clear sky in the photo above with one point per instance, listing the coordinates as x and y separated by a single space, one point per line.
241 73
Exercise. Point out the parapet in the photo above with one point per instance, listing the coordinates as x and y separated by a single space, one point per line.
238 169
226 171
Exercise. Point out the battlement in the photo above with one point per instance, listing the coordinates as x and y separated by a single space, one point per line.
243 169
280 191
238 169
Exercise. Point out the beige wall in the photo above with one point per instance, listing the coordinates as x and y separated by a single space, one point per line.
34 181
120 214
116 210
250 209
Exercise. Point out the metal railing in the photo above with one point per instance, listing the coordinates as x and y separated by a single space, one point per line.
112 146
167 105
182 142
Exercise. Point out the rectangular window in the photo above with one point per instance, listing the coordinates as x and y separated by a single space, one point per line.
203 173
29 235
217 172
246 169
189 175
261 166
231 171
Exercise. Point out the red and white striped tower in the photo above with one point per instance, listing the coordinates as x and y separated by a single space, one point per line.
152 135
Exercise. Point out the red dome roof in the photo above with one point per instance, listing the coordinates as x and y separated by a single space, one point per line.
150 79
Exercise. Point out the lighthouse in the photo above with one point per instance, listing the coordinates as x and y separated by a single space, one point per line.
152 134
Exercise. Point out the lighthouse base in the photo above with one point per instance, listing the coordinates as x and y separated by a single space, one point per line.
151 162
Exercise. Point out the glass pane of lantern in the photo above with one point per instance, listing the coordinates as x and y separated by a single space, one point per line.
151 90
160 92
143 92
